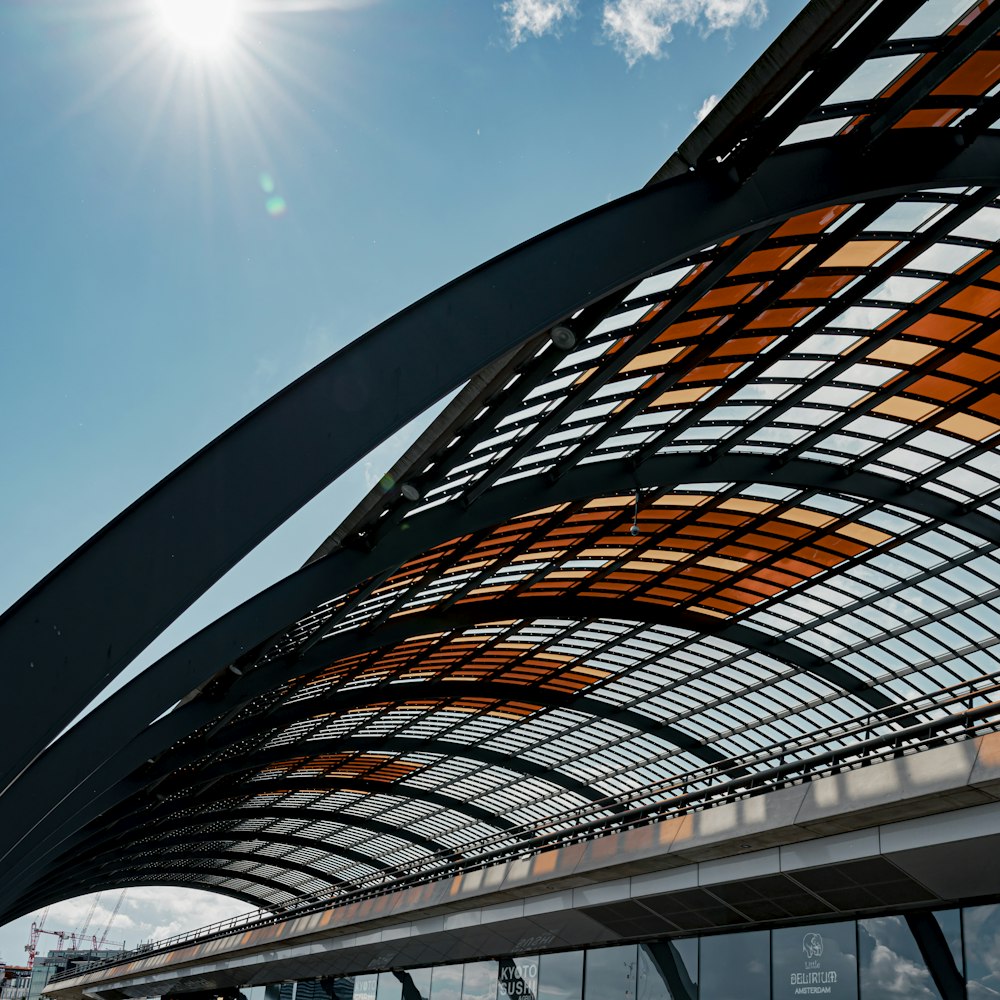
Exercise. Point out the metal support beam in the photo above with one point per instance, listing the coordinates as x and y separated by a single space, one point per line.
104 603
357 743
82 801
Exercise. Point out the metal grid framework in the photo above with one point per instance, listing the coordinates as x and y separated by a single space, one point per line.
734 525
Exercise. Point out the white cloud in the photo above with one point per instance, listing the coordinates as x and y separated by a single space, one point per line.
148 913
535 17
641 28
706 106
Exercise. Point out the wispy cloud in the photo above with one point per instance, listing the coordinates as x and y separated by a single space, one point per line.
640 28
706 105
534 18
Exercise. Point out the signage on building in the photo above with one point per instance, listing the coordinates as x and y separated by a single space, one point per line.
818 961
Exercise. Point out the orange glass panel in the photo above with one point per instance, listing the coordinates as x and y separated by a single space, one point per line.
750 506
811 222
650 314
780 317
970 427
744 598
783 580
989 345
990 406
653 359
939 327
942 389
901 352
974 77
710 373
820 556
762 588
804 570
794 260
819 288
929 118
906 409
744 346
864 534
763 261
860 253
733 609
720 297
786 530
690 328
971 367
842 546
728 565
976 299
702 531
803 516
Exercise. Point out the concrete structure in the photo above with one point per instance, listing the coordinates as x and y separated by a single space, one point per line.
919 832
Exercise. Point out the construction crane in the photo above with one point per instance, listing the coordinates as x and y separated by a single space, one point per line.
90 916
32 946
69 940
111 920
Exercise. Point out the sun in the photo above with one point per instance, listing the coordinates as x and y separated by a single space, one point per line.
201 27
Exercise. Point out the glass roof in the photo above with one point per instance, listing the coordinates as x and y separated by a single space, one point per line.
654 640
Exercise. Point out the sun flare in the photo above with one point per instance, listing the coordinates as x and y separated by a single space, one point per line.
201 27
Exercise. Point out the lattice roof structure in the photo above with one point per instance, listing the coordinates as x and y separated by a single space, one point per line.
717 509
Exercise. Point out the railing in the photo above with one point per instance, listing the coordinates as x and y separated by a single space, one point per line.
952 718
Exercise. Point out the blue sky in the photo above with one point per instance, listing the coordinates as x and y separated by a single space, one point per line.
186 233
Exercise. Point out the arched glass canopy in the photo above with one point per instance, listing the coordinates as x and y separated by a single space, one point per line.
728 525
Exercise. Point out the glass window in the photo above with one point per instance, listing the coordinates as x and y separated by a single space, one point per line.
736 966
610 973
517 978
560 977
820 958
668 970
366 986
896 956
480 981
389 986
341 988
446 982
982 950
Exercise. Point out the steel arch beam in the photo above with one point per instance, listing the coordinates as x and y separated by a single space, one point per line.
15 904
581 609
172 883
101 606
66 888
80 869
141 817
249 837
445 691
28 900
314 583
351 742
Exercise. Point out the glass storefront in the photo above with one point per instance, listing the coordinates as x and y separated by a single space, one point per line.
941 955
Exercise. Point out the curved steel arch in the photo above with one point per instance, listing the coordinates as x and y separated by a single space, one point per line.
17 879
313 583
363 786
195 524
76 887
248 836
445 748
581 609
78 868
444 690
